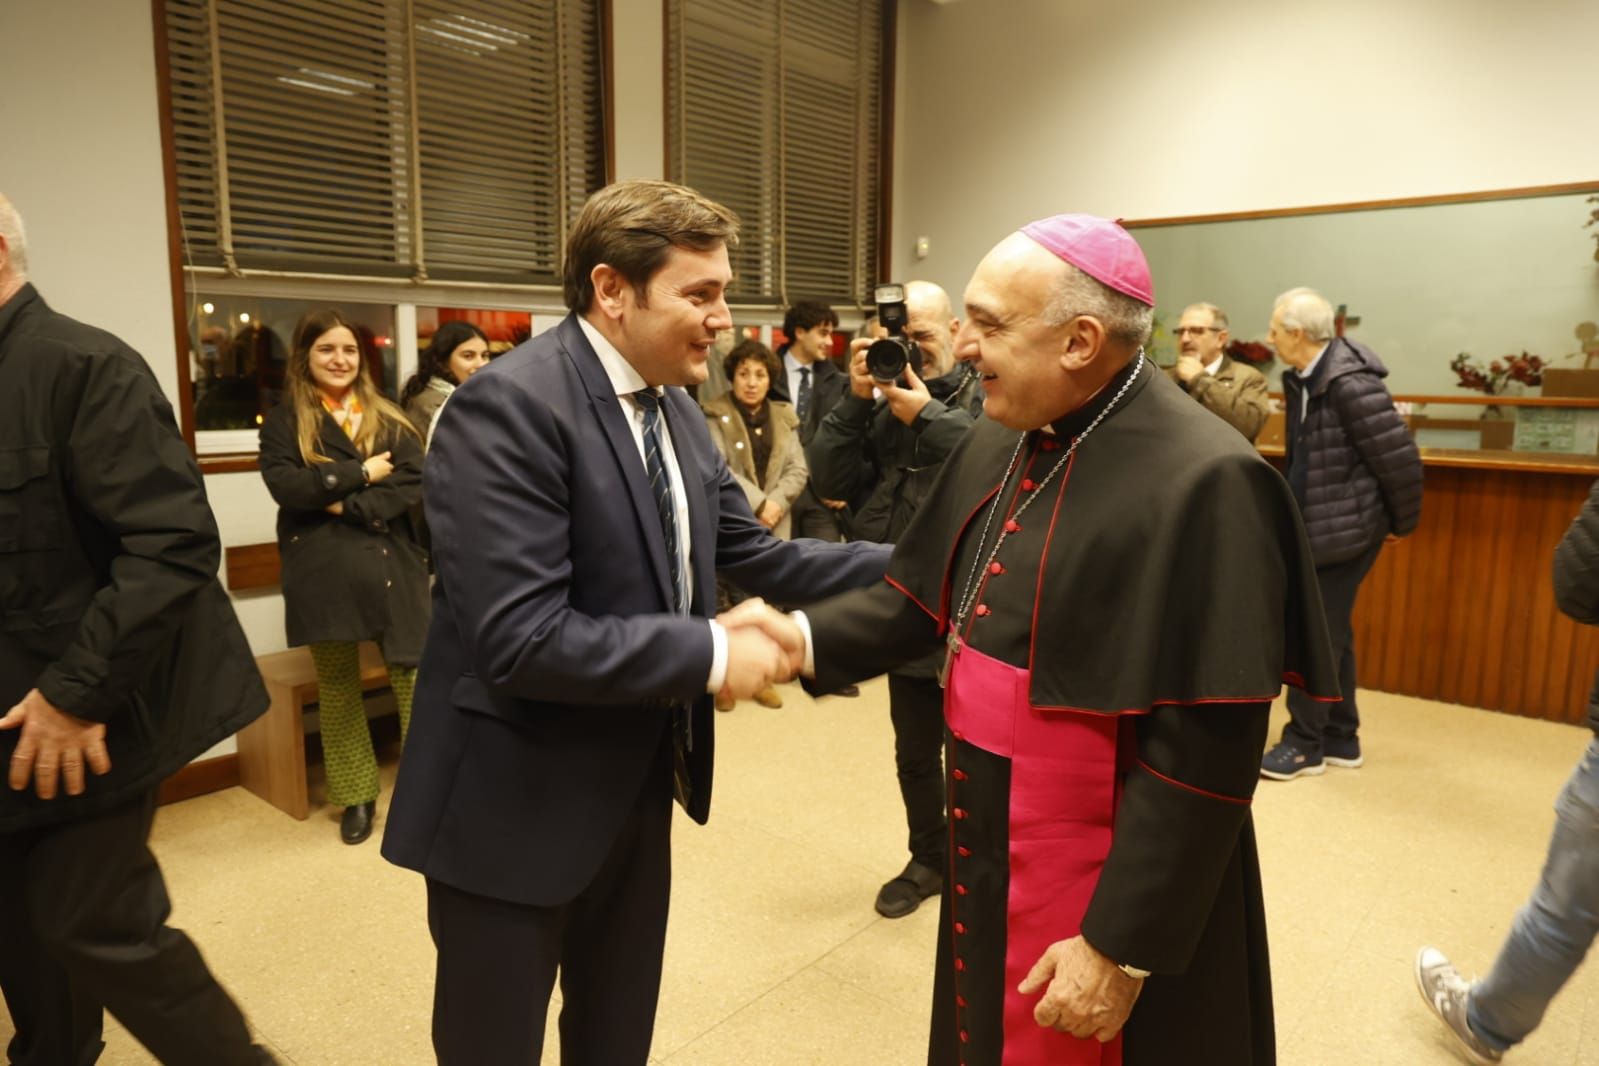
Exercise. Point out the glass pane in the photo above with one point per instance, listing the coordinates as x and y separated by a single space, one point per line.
239 353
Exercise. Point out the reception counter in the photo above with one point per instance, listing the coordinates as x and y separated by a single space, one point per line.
1463 610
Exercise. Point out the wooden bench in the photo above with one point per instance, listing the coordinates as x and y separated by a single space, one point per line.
272 748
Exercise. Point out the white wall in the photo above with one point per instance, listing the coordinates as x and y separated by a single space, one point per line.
80 156
638 39
1016 109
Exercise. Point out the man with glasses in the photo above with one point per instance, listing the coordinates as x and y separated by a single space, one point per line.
1231 389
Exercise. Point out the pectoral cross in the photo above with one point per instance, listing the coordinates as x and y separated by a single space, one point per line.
952 648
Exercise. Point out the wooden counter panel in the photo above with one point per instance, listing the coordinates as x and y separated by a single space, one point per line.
1463 610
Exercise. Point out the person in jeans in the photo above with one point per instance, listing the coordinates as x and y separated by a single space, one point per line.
1356 475
1552 933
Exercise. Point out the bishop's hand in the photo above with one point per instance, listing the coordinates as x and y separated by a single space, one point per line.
1087 995
779 628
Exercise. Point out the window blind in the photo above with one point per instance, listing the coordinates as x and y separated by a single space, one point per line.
444 139
774 108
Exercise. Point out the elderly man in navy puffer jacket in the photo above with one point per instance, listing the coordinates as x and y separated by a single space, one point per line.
1356 473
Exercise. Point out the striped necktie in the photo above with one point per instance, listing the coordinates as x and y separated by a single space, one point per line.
661 488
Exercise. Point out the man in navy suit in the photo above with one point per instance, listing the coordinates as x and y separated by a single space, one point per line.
579 515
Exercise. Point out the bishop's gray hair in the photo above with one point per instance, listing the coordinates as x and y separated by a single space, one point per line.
1305 309
1125 319
16 237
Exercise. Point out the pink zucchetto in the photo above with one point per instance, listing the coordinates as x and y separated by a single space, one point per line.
1100 248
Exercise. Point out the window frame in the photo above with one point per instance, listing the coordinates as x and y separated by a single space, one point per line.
221 453
882 254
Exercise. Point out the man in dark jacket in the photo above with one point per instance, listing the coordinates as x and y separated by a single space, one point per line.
120 660
813 385
1553 932
1356 474
886 453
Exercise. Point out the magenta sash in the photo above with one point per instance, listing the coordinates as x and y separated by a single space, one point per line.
1063 794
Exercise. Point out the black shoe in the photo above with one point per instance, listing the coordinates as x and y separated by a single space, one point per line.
356 825
849 690
905 893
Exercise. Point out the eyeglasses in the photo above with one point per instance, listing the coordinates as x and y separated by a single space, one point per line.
1183 331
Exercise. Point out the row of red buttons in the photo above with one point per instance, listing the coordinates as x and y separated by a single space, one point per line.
959 814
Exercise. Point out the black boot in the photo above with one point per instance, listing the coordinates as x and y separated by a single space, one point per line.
356 825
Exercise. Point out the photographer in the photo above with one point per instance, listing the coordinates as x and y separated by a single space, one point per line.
881 447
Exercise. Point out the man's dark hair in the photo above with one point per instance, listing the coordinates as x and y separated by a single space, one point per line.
808 314
633 226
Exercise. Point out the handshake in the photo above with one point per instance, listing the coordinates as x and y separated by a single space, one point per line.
764 646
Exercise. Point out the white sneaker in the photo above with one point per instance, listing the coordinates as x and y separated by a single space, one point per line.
1448 994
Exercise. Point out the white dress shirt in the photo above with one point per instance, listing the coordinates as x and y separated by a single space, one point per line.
626 381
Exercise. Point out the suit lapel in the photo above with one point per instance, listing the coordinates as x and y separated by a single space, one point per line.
613 419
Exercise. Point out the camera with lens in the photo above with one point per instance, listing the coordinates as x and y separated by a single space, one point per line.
886 359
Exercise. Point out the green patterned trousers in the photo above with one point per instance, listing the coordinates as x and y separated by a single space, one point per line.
352 766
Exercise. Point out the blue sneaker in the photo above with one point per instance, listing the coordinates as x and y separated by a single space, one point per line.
1286 762
1345 753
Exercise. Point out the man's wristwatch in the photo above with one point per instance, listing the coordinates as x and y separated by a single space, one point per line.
1132 971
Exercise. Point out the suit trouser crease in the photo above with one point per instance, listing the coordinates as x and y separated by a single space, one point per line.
498 960
83 912
1310 721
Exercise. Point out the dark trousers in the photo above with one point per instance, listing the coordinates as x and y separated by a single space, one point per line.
810 517
497 961
916 707
83 912
1308 720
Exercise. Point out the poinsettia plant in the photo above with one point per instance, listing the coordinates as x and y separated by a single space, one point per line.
1525 369
1252 352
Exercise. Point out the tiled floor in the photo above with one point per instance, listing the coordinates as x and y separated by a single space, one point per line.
776 958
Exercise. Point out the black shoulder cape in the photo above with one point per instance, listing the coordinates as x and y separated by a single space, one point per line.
1178 572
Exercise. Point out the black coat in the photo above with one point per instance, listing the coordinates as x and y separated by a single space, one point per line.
360 575
828 387
1354 467
108 562
1577 579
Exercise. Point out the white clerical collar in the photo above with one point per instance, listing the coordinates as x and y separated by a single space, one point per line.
1310 367
624 378
1212 368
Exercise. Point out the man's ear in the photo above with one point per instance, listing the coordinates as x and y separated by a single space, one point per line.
1084 340
1221 337
610 288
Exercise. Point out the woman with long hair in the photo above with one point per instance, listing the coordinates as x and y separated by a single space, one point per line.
457 351
344 464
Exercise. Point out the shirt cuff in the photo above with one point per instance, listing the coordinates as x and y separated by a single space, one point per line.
809 669
718 676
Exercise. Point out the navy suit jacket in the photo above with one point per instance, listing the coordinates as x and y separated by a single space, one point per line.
553 664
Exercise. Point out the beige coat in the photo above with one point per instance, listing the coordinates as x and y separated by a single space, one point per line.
786 472
1236 392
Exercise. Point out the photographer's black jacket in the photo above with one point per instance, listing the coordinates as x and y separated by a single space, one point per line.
863 454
